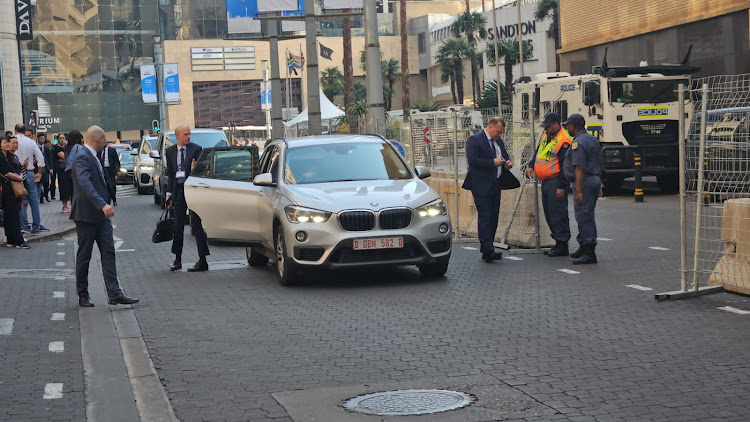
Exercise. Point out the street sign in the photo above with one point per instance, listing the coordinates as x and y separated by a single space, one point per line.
171 83
148 84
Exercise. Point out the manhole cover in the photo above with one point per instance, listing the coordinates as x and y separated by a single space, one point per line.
408 402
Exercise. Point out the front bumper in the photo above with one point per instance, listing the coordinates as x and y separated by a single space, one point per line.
329 246
124 178
145 177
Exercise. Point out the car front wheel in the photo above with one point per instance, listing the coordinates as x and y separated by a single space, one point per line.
285 268
255 259
435 269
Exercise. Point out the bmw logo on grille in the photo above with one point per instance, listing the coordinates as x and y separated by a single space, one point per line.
374 204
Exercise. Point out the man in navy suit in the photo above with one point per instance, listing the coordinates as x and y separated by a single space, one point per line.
488 160
180 160
91 212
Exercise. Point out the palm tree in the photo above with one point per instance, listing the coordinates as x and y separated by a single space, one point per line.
332 81
455 51
548 9
446 75
473 25
360 91
391 71
489 95
508 51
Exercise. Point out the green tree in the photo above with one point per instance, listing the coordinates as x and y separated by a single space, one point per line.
454 51
447 75
489 95
426 106
508 51
391 72
332 81
547 9
472 24
360 91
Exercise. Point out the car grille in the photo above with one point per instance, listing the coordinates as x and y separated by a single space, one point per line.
438 246
145 178
357 221
395 218
308 254
349 255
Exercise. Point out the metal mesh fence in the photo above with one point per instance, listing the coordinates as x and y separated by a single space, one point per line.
717 184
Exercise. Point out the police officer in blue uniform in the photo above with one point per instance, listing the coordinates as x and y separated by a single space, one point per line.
582 167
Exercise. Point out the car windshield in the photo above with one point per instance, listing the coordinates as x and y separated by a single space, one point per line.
645 92
343 162
125 157
204 139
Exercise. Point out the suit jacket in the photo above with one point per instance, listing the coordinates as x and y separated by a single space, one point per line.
482 171
90 191
114 165
192 152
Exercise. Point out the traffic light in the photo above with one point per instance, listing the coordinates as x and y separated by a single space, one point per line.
155 125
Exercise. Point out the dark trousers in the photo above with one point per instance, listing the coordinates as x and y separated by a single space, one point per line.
555 210
11 216
585 215
101 233
52 182
44 191
180 208
488 212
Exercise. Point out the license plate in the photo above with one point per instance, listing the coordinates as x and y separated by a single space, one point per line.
378 243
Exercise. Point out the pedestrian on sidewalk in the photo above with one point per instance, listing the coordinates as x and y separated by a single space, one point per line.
43 185
73 147
10 168
111 164
91 213
58 158
27 152
181 158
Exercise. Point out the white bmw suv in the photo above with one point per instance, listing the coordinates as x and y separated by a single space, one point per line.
327 201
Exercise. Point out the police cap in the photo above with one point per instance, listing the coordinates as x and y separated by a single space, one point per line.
550 118
576 120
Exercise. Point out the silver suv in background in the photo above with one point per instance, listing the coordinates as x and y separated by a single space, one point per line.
143 164
322 202
206 138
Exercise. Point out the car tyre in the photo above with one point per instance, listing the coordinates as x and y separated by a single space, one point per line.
157 198
285 267
435 269
254 258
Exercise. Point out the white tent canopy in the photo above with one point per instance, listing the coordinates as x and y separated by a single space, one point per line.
328 111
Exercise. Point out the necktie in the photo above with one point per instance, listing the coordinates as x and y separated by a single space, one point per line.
104 152
182 159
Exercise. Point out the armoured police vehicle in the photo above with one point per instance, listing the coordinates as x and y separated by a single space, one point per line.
629 109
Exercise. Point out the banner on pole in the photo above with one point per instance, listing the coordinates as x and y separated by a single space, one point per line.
265 95
171 83
23 20
148 84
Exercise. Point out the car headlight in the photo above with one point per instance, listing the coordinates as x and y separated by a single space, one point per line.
433 209
123 170
297 214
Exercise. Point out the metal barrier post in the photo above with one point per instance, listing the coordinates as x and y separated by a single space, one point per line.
455 171
683 195
638 178
699 196
537 235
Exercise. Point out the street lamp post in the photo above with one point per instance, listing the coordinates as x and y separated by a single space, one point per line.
160 82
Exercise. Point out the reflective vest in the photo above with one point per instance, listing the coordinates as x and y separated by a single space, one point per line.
546 165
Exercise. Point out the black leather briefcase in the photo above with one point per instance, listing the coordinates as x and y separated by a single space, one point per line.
164 231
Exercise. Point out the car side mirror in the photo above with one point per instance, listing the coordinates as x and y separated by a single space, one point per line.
154 154
422 172
134 152
265 179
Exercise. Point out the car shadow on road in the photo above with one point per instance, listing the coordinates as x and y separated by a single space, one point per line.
366 278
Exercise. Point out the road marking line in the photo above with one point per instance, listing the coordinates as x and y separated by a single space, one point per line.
58 295
60 264
118 244
567 271
53 391
60 244
604 239
659 248
514 258
61 253
6 326
57 317
57 346
638 287
59 278
733 310
470 248
125 250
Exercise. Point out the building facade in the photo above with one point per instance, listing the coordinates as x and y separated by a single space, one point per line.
656 31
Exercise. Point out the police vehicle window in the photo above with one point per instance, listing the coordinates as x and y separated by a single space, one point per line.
236 164
644 92
561 108
525 106
203 165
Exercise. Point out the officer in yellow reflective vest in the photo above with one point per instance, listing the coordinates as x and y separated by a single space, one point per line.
547 165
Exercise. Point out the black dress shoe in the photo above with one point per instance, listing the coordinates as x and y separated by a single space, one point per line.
201 265
492 256
177 265
85 302
123 300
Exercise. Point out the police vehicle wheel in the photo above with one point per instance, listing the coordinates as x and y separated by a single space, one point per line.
612 184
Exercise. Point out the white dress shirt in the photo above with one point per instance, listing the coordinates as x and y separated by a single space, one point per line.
96 158
498 153
28 149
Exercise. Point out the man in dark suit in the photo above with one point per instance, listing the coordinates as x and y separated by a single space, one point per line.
488 160
91 213
111 162
180 160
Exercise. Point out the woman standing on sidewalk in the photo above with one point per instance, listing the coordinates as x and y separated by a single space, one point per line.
10 168
59 153
75 141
